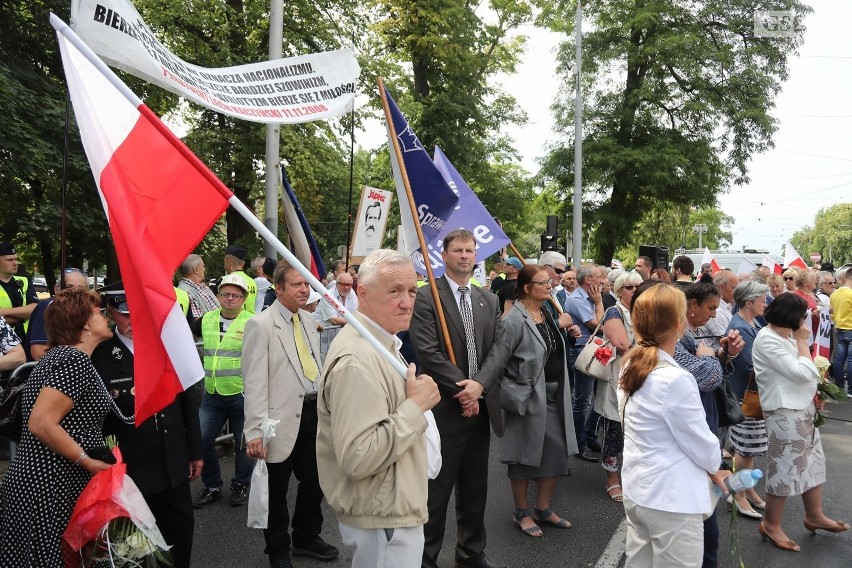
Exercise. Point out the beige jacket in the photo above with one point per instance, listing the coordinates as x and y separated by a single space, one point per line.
371 443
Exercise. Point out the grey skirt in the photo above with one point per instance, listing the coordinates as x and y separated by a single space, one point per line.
795 462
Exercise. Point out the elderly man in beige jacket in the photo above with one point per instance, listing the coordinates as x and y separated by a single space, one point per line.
371 439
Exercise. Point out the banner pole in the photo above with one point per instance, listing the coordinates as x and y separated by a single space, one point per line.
424 251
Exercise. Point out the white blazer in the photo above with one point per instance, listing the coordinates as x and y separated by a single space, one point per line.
784 379
668 448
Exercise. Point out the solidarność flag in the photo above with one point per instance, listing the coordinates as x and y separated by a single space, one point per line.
160 200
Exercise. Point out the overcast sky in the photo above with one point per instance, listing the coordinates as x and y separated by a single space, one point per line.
811 165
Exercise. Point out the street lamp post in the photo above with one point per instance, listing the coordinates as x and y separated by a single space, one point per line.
701 228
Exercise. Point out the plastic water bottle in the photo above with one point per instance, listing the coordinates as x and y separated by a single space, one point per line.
740 481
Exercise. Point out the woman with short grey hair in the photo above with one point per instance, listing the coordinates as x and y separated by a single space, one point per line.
749 438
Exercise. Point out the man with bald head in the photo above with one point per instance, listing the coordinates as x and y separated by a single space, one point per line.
35 342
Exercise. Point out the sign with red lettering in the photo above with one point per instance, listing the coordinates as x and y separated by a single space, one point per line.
370 223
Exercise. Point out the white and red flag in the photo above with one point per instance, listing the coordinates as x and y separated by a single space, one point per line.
160 200
773 267
708 259
793 258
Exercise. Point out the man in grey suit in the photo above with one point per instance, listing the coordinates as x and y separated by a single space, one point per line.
469 397
280 365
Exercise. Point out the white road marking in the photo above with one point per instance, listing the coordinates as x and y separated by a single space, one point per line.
614 550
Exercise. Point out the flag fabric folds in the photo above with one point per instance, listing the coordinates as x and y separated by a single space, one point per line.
434 199
302 241
792 258
708 259
773 267
160 201
746 266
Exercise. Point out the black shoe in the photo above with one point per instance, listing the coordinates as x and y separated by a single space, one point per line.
481 562
586 454
593 445
239 495
281 563
317 547
207 496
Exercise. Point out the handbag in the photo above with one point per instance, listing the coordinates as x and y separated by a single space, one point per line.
10 408
751 402
596 357
515 396
730 411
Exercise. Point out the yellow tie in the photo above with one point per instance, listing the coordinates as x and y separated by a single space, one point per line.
309 366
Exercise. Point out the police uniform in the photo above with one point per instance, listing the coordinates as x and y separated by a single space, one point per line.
158 452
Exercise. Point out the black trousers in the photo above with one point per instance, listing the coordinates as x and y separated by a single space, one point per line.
307 516
176 520
465 468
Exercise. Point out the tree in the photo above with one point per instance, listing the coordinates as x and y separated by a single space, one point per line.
678 98
831 235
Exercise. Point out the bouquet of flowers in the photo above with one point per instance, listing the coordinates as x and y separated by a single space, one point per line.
112 526
826 389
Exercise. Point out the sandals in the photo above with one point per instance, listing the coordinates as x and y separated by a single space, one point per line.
618 498
519 515
542 516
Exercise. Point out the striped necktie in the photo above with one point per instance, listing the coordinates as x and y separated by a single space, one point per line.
309 365
470 338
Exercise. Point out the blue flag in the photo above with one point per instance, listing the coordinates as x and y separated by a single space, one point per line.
302 241
469 214
434 199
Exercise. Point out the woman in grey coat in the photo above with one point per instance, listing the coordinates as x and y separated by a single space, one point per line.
536 399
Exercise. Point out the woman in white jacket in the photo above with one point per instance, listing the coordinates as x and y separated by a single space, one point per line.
669 450
787 380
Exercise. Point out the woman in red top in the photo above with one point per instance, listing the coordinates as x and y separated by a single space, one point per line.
806 284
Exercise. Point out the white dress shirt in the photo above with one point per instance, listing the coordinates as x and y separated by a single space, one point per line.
668 447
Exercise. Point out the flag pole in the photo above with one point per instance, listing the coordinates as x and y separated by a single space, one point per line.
424 251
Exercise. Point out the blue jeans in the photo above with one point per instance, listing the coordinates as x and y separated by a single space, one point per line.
215 410
842 356
581 400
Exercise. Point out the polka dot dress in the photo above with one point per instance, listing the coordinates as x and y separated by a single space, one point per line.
41 488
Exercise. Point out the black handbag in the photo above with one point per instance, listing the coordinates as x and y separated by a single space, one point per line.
728 405
10 408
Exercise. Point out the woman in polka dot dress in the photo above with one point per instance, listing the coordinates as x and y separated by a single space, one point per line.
63 408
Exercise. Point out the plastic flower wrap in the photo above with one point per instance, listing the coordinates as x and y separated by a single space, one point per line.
826 389
604 354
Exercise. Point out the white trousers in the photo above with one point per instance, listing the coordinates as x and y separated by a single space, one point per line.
384 548
661 539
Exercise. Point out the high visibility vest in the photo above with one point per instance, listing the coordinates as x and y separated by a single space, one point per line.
6 301
222 373
183 300
248 306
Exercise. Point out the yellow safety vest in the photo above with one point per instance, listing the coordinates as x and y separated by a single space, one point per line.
248 306
222 373
183 300
6 301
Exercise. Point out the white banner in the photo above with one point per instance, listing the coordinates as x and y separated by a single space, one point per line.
371 222
823 338
310 87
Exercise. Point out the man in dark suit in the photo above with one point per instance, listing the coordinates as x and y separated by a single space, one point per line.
164 453
469 397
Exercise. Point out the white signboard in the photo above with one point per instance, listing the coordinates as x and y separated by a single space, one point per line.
370 223
309 87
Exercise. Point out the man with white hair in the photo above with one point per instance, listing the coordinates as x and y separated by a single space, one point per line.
36 341
372 431
717 326
201 297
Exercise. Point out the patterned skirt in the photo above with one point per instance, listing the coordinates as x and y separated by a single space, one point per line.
795 460
749 438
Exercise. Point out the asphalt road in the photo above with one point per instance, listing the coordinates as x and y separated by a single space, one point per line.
597 538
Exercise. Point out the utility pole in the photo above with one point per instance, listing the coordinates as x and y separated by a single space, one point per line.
578 143
700 229
273 132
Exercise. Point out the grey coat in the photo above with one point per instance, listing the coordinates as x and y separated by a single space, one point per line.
523 437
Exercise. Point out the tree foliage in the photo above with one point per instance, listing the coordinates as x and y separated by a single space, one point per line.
678 97
830 235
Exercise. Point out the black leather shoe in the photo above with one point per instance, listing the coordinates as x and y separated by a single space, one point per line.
593 445
588 455
481 562
317 547
239 495
207 496
281 563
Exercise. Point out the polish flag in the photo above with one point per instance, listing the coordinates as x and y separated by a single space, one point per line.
160 200
708 259
792 258
773 268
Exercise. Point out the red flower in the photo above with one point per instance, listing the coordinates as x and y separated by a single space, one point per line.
604 354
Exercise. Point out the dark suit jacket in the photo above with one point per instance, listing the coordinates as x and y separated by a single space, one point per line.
491 351
158 452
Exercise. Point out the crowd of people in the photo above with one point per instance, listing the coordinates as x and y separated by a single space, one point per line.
389 452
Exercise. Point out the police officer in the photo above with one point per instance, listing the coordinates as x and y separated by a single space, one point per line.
17 297
235 261
164 453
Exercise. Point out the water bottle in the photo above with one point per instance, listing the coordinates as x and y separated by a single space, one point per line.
740 481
